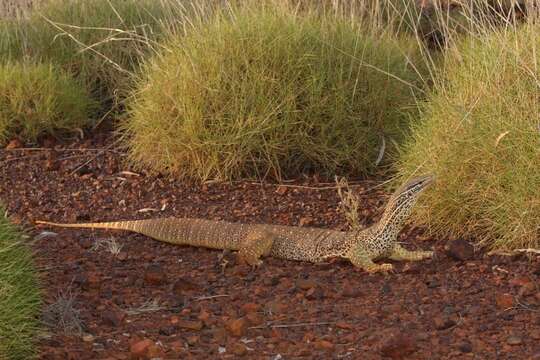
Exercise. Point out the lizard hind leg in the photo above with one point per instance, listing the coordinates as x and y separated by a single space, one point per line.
256 245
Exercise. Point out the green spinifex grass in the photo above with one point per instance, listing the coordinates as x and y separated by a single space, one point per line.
101 41
480 133
264 91
19 295
38 99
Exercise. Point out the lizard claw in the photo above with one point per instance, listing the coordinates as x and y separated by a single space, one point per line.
386 268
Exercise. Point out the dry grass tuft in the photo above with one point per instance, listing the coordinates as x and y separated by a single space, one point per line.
63 314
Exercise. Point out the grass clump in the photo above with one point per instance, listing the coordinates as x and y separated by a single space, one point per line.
100 41
264 91
480 134
38 99
19 295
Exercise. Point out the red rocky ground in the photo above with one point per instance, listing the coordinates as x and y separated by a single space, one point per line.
207 305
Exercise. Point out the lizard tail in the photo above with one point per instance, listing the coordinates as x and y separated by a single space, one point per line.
114 225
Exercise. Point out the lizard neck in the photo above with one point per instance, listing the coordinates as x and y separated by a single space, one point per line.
378 239
394 217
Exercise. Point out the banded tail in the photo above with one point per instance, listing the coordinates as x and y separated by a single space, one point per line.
179 231
131 225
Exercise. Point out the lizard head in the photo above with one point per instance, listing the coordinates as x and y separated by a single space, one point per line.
412 188
403 199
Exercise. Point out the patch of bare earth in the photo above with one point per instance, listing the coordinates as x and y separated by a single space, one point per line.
133 297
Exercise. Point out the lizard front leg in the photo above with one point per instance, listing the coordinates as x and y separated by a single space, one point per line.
399 253
360 258
256 245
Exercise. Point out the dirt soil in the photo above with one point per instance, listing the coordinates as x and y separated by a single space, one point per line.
117 295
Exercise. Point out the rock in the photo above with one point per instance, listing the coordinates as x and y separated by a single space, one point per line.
88 338
167 330
192 340
191 325
219 335
535 356
315 293
204 316
51 164
181 286
81 280
237 327
465 347
239 349
275 308
386 289
305 220
460 249
271 281
250 307
344 325
535 334
254 319
154 275
514 340
112 318
350 291
443 323
521 281
14 144
155 352
433 283
399 346
93 280
140 348
324 345
504 301
449 310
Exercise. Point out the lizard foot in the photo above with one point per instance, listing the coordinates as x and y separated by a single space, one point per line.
384 268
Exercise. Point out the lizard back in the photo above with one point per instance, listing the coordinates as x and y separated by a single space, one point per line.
289 242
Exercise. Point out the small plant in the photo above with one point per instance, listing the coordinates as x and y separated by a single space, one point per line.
263 92
63 314
38 99
348 204
19 295
111 245
480 134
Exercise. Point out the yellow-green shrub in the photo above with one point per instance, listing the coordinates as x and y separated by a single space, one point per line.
267 92
38 99
480 134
